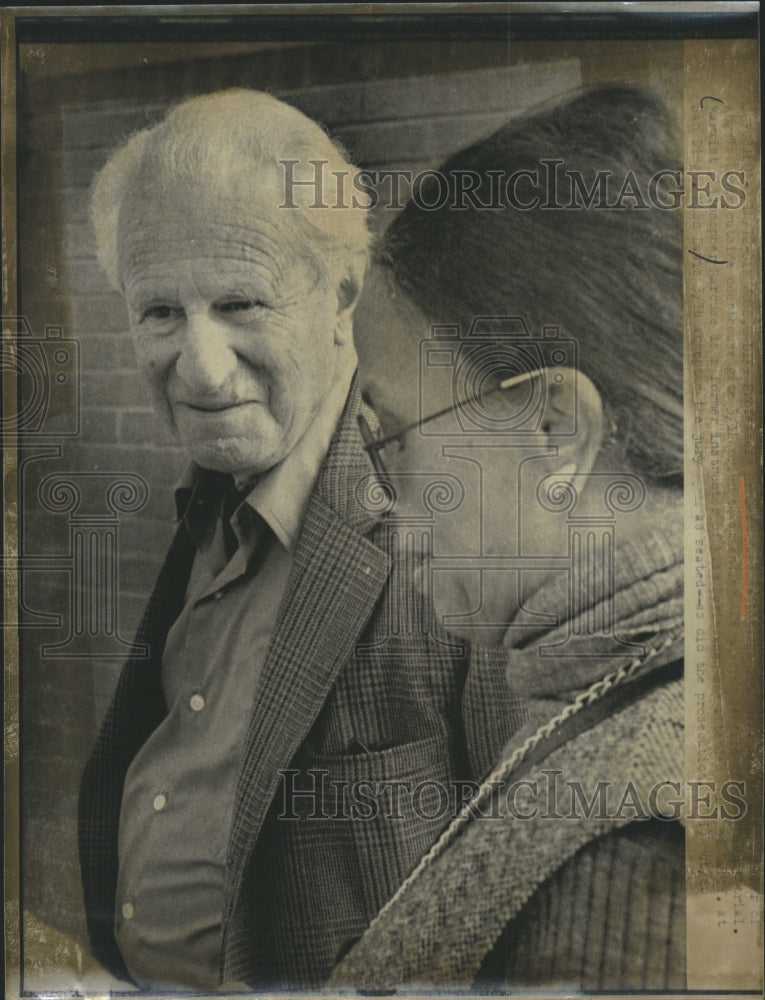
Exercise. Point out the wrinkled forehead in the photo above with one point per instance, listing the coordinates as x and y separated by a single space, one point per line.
235 217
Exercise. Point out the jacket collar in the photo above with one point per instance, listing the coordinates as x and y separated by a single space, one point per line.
347 483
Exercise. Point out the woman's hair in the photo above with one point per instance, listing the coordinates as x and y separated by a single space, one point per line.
609 277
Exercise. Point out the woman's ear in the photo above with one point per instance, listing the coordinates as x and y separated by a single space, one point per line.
572 419
349 287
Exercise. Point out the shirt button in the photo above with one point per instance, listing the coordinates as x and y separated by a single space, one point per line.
160 802
197 702
128 911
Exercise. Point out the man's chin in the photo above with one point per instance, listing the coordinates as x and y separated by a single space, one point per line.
233 456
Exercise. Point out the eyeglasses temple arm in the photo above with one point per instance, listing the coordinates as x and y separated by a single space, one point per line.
508 383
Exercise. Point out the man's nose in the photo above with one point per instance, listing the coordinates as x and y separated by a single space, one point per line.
206 358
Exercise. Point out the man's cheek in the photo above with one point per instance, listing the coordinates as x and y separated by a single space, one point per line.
159 398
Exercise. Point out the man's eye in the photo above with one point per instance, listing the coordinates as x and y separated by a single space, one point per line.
238 305
157 313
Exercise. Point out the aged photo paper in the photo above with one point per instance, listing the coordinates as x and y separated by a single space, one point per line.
471 701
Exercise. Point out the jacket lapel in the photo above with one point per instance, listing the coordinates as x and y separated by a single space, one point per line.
337 576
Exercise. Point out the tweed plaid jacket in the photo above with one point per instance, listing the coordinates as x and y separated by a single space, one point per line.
359 686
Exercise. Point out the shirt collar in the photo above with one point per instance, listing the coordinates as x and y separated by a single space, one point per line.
281 495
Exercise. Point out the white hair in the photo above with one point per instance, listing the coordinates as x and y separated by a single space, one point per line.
213 136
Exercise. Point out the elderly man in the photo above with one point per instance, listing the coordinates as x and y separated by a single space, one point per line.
287 653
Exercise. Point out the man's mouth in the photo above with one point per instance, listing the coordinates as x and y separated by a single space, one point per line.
215 407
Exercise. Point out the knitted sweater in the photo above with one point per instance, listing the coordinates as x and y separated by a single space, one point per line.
611 918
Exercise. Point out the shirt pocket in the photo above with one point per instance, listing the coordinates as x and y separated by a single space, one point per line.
397 801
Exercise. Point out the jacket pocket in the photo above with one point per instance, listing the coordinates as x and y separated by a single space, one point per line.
397 801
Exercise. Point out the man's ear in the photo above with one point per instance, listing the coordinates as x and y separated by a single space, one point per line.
349 287
572 419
